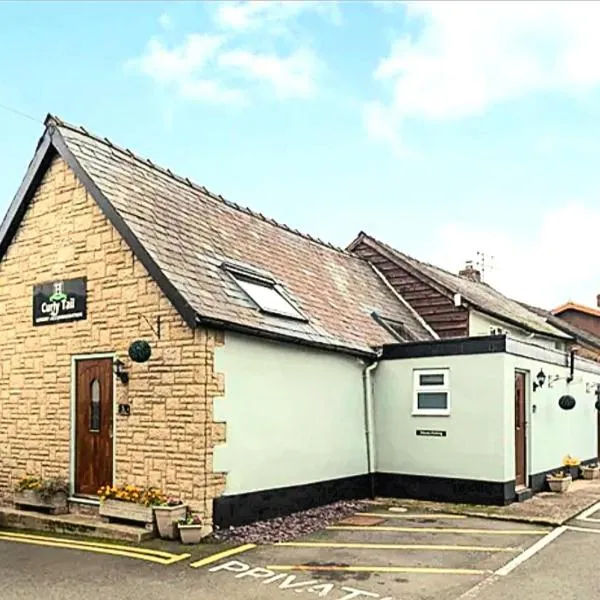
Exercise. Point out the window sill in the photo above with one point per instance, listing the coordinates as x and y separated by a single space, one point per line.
431 413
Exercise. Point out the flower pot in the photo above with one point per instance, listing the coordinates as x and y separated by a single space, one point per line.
574 472
192 534
127 511
590 472
559 484
55 504
166 520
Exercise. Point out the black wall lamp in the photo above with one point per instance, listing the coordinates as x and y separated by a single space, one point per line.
540 380
120 371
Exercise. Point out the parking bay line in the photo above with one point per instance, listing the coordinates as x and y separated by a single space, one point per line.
408 516
355 546
585 515
358 569
441 530
226 553
134 549
96 549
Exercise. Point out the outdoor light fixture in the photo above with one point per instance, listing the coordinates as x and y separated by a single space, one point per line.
120 371
540 380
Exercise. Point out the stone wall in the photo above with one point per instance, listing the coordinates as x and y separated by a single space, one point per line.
167 440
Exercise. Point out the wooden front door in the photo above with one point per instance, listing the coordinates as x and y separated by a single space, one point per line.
94 425
520 431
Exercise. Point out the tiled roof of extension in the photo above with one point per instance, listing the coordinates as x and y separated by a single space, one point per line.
188 233
480 295
588 310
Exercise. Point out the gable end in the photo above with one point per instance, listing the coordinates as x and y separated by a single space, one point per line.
434 306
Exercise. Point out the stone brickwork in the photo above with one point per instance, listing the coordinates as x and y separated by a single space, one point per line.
168 439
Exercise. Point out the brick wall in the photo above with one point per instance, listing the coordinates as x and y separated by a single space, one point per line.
167 440
582 320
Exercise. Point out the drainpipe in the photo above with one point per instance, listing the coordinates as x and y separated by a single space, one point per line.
368 411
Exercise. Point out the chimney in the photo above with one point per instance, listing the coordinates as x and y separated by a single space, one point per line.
598 300
473 274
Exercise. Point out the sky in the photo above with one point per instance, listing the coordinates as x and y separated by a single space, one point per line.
449 130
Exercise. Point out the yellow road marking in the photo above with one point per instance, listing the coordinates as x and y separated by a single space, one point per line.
442 530
215 557
431 570
397 546
413 516
135 549
116 552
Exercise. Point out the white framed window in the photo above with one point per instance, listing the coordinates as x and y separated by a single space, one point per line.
268 296
431 392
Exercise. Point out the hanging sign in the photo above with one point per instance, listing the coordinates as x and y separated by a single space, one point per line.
59 301
431 432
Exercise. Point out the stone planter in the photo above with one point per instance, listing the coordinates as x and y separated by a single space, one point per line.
166 520
127 511
192 534
590 472
559 484
56 504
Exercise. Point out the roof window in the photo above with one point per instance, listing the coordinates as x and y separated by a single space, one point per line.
265 293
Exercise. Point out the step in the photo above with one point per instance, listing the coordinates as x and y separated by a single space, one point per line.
524 494
71 524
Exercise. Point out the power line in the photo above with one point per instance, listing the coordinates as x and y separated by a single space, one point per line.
19 113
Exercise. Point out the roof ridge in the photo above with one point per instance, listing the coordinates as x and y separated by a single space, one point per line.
54 120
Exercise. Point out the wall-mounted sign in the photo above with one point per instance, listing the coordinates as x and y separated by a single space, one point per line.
431 432
59 301
124 410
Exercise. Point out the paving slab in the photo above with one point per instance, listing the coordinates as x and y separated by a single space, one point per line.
71 524
544 508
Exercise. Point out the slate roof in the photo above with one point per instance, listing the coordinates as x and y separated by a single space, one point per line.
184 233
581 335
480 296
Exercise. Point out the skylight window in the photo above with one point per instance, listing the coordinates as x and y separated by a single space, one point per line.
267 296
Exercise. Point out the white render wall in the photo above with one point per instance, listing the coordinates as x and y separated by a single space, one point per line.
294 415
481 324
474 445
552 432
480 428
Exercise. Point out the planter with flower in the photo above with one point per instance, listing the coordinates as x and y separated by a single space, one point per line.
130 503
591 471
191 528
572 464
168 515
38 493
559 481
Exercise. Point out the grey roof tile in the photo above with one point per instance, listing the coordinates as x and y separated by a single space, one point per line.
189 232
479 294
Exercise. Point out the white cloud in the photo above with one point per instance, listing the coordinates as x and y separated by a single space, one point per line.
274 14
290 76
168 65
465 57
182 67
165 21
546 267
203 65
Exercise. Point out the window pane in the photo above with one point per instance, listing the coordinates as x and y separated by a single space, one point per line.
432 400
95 406
432 379
268 298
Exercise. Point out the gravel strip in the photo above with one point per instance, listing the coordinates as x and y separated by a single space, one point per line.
283 529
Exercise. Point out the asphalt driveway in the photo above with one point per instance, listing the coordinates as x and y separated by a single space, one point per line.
391 556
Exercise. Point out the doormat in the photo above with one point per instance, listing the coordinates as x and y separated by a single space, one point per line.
361 521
